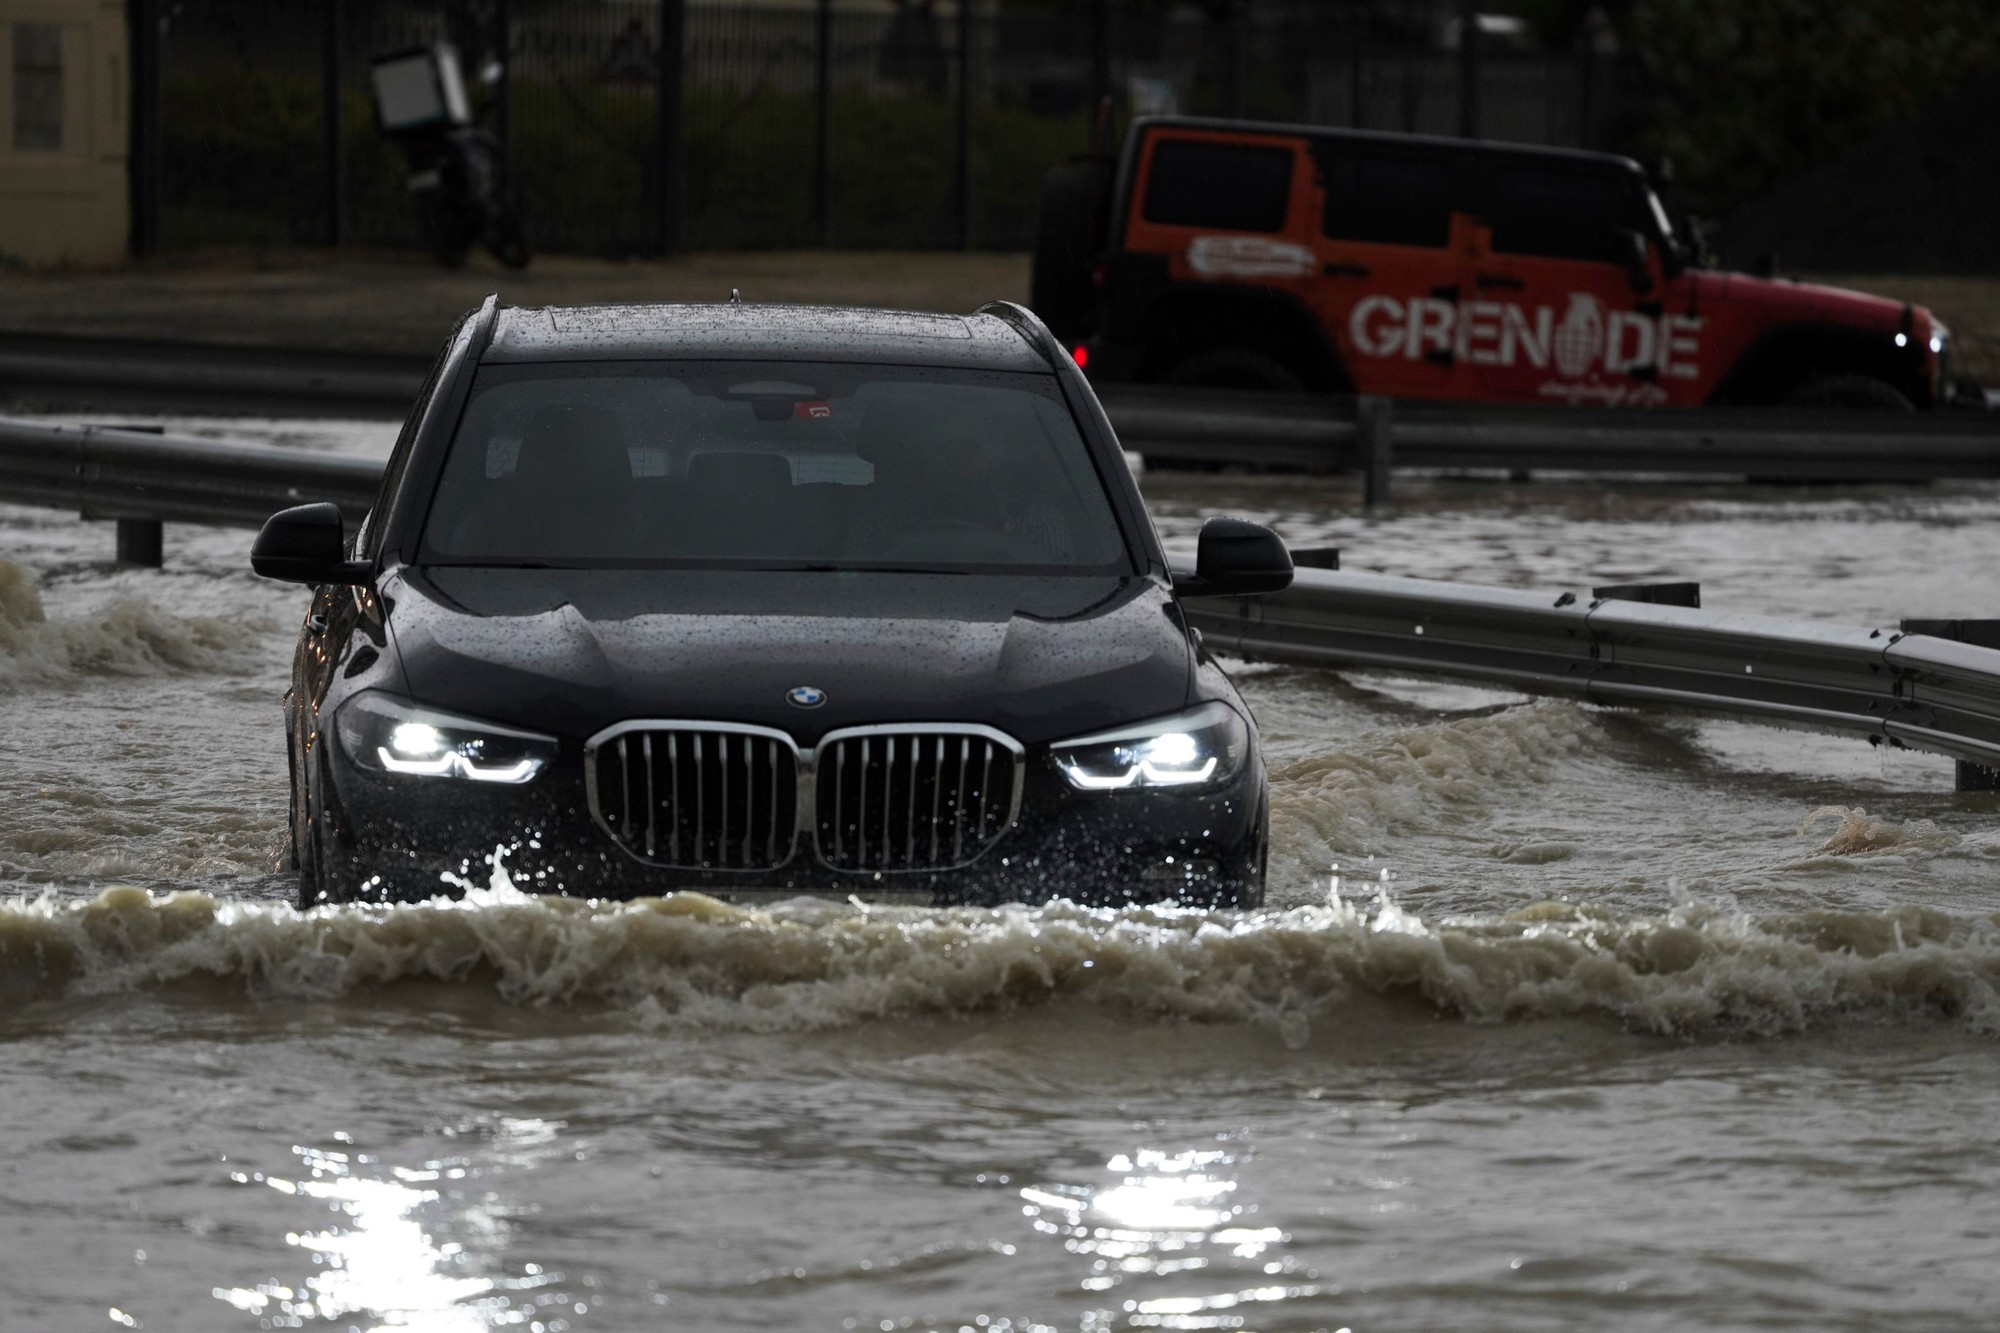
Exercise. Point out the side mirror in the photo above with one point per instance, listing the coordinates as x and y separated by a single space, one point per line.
1236 559
1638 258
306 544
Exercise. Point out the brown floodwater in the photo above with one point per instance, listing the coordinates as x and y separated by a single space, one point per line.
1558 1016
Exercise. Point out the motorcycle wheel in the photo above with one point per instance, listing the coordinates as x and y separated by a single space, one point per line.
509 248
445 235
451 251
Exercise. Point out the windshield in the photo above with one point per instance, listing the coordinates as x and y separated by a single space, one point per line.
770 465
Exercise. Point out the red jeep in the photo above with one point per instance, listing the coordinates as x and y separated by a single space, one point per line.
1234 254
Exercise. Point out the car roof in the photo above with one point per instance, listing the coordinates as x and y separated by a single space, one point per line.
1387 139
749 331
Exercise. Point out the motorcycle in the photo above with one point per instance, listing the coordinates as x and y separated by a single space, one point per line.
457 170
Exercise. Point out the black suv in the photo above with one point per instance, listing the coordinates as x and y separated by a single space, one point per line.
763 601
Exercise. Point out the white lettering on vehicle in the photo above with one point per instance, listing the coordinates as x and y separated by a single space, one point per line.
1516 335
1676 340
1248 257
1583 339
1602 393
1481 332
1430 326
1376 326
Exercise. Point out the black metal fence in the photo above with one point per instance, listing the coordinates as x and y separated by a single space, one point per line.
866 123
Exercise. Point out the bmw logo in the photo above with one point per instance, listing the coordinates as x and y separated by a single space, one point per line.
806 696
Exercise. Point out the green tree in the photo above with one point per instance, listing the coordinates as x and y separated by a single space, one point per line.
1751 91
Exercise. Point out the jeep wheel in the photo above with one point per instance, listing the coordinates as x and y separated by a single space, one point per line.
1849 393
1223 368
1233 368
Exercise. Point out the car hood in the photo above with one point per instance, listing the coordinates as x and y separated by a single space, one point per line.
1805 300
572 651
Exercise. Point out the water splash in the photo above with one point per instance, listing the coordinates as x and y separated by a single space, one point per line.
127 636
1858 833
687 961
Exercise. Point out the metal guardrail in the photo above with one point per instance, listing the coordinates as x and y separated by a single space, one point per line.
142 480
1373 437
132 374
1166 424
1914 690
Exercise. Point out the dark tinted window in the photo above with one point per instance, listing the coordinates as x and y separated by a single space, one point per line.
1225 186
1392 200
1561 213
784 464
369 539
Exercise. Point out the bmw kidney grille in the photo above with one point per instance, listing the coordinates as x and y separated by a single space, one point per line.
706 798
720 796
914 800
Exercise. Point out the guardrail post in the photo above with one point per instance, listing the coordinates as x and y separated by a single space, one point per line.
1374 443
1657 594
1980 634
142 541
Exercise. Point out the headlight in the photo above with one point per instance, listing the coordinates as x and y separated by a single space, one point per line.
392 735
1203 747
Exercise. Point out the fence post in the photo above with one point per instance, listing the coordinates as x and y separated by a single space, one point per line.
1232 59
670 129
1468 69
329 110
1595 41
142 167
1357 95
503 51
822 124
1100 51
1374 445
964 182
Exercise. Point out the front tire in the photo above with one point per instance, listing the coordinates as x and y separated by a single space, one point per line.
315 888
325 876
1849 393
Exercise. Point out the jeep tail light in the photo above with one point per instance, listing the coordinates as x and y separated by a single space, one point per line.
1081 355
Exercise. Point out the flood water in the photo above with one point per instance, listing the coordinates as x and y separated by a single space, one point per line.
1558 1017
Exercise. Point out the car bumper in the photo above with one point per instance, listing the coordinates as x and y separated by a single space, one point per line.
404 838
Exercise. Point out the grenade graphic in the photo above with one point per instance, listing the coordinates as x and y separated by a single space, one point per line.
1579 339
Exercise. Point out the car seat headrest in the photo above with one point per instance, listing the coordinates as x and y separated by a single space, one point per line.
573 445
739 473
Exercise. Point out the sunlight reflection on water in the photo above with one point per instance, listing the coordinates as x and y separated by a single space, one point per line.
383 1260
1165 1214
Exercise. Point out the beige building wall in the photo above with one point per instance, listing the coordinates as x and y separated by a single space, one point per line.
64 85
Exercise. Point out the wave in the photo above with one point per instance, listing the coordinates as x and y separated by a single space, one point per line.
689 961
1858 833
127 636
1358 800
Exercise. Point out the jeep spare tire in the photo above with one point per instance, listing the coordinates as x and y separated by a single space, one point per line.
1060 289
